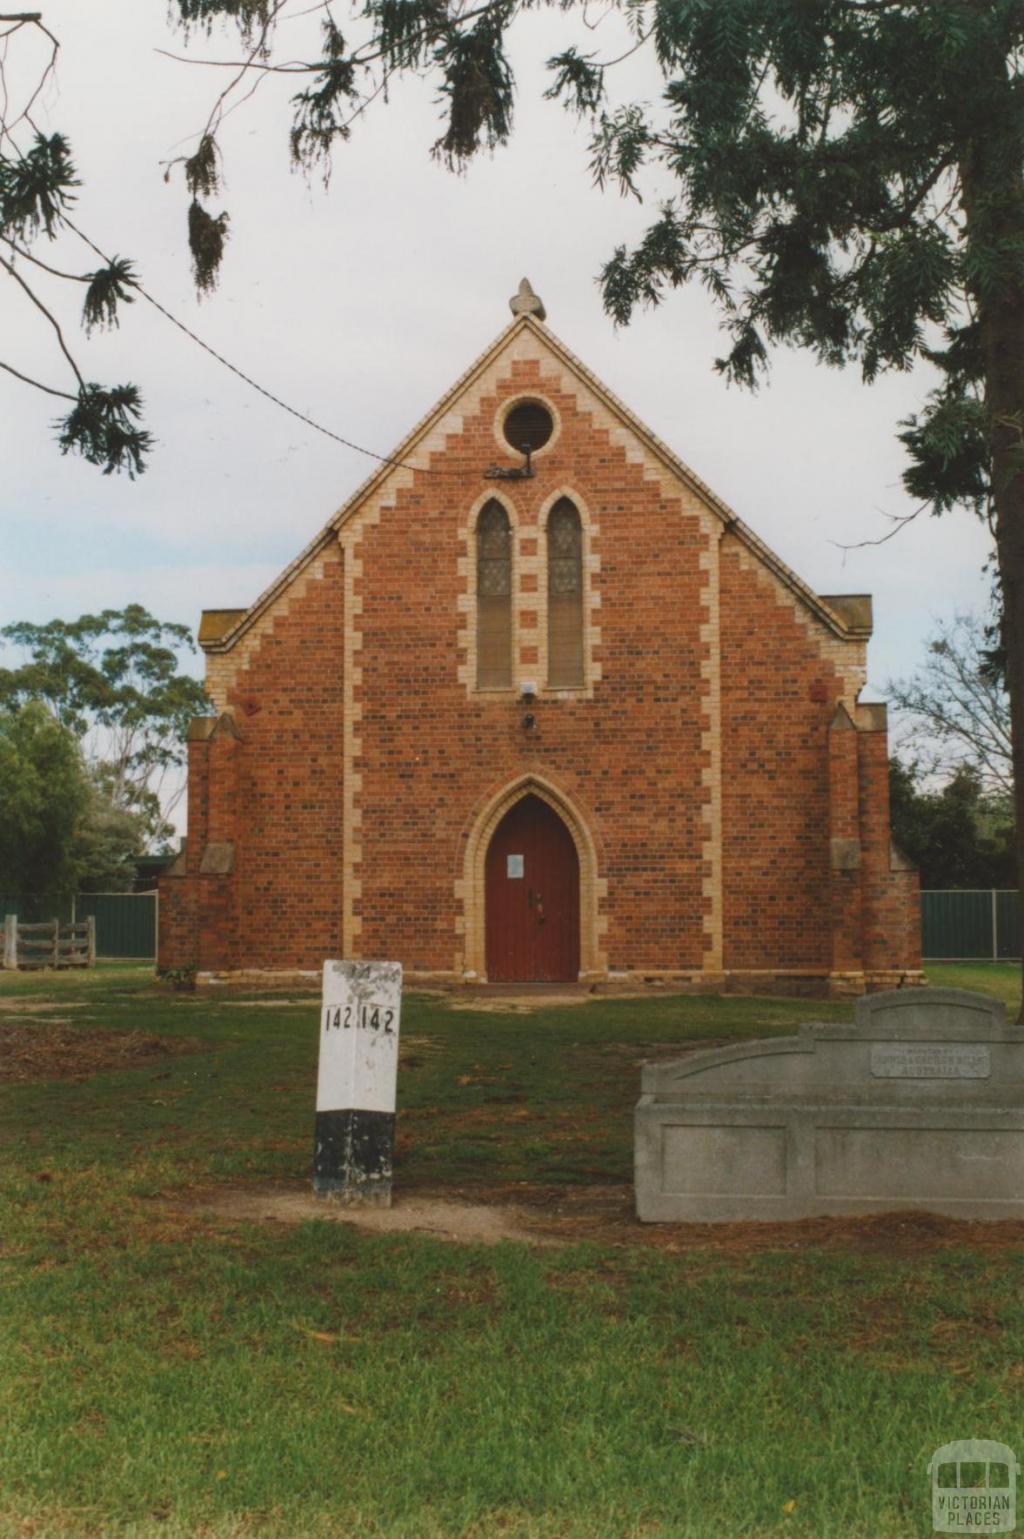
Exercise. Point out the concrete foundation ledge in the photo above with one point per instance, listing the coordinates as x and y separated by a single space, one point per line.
814 983
257 978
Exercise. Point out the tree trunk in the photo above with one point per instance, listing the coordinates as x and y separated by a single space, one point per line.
1009 503
993 203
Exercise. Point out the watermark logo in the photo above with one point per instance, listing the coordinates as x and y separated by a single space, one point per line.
974 1487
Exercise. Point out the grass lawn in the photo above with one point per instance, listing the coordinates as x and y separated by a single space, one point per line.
999 978
167 1371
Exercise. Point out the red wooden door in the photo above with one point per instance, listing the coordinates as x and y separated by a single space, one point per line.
533 898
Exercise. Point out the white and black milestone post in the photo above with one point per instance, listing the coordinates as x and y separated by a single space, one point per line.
355 1093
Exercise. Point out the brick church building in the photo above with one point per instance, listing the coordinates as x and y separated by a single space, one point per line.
537 706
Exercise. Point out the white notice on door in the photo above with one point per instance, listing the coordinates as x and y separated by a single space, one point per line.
514 865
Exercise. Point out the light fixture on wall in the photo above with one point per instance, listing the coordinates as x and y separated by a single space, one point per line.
512 472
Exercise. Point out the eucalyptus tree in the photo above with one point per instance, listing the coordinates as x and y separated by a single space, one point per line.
954 706
44 797
114 680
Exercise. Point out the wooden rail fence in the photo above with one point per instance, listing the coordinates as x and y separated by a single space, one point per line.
50 944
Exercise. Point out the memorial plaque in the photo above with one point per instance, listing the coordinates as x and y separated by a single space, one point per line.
930 1060
357 1081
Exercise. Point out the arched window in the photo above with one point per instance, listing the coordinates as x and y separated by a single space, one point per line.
493 598
565 596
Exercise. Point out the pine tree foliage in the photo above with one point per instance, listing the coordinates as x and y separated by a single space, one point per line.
207 234
476 87
202 176
35 188
37 193
101 427
109 287
321 111
247 14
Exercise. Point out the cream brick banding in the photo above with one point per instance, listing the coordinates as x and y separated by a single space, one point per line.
711 748
693 750
527 340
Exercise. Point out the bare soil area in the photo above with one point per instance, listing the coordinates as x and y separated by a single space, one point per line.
36 1049
29 1004
514 1004
449 1219
604 1215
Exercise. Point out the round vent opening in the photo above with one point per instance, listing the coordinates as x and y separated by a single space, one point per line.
528 426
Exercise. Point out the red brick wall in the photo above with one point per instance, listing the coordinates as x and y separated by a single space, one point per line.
630 758
288 702
892 899
778 697
178 923
281 906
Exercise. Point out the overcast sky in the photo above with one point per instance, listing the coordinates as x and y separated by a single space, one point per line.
360 307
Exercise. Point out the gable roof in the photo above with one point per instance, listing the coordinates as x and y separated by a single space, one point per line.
220 629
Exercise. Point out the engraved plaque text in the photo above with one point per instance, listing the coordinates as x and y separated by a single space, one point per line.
930 1060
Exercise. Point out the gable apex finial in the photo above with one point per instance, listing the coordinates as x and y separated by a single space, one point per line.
526 302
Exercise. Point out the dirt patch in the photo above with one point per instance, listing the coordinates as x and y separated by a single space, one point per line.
27 1004
419 1044
547 1216
44 1050
515 1005
277 1003
257 980
605 1215
465 1222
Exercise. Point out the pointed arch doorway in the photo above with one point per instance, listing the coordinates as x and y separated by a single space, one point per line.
532 897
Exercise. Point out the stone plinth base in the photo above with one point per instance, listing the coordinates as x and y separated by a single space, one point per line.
809 983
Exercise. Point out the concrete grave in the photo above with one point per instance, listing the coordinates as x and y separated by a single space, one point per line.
919 1103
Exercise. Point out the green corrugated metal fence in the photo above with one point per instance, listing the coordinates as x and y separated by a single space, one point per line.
982 926
955 926
125 921
1008 926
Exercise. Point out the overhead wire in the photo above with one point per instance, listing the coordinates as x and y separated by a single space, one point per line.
384 459
318 427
